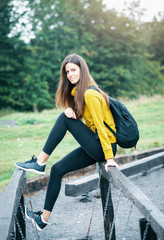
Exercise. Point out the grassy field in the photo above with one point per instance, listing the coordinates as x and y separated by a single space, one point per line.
27 138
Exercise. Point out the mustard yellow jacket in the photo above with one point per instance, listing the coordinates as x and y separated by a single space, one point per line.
96 111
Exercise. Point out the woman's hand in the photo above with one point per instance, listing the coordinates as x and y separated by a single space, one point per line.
70 113
110 163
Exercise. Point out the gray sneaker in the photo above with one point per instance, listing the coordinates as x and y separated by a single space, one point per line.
31 166
35 217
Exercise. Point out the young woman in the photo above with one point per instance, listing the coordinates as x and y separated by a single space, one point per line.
79 103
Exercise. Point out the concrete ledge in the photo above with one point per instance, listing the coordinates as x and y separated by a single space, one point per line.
144 164
83 185
122 159
9 203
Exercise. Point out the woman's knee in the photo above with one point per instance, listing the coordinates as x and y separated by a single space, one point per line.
63 119
55 169
62 116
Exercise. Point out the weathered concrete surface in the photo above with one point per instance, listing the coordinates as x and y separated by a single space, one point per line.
9 202
8 123
72 216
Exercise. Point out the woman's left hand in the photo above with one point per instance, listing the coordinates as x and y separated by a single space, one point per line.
70 113
110 163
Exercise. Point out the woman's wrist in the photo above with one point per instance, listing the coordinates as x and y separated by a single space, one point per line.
109 159
110 163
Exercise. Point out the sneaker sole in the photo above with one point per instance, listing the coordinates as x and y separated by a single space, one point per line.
26 214
32 220
30 170
36 225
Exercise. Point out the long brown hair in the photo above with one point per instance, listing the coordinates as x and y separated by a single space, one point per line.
64 98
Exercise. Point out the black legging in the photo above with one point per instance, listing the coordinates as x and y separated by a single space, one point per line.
89 152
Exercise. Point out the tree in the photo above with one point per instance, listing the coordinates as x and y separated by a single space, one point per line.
118 50
112 45
37 96
157 39
10 63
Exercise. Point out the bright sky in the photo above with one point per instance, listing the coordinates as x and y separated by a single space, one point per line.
152 7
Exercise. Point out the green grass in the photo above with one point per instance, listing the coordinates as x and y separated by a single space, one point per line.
19 143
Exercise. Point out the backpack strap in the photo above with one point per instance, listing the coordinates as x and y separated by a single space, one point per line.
93 87
110 129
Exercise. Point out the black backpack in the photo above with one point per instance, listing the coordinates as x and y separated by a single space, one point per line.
127 133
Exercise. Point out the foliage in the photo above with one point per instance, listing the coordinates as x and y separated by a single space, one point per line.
157 40
124 55
10 61
35 82
20 86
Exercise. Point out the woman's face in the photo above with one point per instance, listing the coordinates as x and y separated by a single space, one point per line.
73 72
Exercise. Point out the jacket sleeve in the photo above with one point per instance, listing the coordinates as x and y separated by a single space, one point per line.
93 101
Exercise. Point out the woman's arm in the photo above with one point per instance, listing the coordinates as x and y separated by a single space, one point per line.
93 101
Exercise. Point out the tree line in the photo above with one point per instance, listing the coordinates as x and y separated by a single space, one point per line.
124 55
